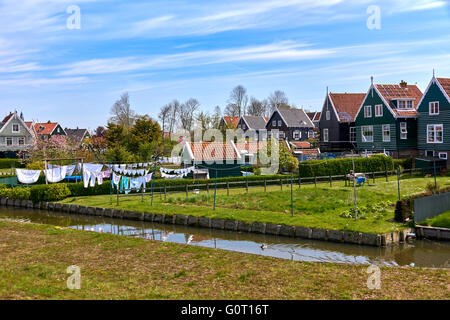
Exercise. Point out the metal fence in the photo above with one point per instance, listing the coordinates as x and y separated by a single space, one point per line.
429 207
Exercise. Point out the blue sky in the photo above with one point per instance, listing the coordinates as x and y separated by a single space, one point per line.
164 50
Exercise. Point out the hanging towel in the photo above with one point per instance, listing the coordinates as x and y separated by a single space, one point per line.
28 176
148 177
125 185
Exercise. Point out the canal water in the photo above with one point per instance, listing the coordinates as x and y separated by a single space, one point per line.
418 253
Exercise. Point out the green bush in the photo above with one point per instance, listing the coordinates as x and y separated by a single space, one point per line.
335 167
15 193
406 163
10 163
51 192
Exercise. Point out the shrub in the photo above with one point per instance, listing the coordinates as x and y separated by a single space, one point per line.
52 192
10 163
406 163
319 168
402 211
15 193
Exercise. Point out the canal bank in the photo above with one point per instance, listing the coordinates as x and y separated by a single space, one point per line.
418 253
352 237
35 257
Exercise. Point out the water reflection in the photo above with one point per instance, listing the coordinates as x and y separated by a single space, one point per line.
422 253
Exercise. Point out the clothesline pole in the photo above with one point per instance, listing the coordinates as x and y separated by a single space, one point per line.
154 176
45 172
215 191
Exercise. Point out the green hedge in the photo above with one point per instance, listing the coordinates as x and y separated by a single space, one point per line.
51 192
15 193
406 163
10 163
335 167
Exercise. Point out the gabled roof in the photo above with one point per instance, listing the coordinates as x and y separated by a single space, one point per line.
391 92
346 104
212 151
45 128
445 84
11 116
255 122
295 118
231 122
76 135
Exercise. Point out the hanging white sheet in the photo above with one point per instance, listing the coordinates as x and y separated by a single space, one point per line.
28 176
56 175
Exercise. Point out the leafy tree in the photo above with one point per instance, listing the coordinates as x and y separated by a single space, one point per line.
145 130
118 154
116 135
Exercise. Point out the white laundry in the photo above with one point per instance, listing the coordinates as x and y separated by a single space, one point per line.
70 170
148 177
56 174
116 179
92 172
28 176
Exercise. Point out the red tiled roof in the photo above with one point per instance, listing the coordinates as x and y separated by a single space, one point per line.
445 83
210 151
308 151
301 145
396 91
45 128
317 117
7 118
252 147
231 121
347 104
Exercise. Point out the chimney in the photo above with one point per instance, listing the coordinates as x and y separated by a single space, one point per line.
403 84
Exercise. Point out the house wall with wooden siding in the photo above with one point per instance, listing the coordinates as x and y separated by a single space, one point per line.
434 94
377 122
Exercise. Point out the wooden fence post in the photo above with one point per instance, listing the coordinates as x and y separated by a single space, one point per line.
187 192
315 181
246 184
265 185
228 188
165 192
207 187
281 184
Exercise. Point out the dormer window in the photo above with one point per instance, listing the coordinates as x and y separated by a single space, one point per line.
15 128
405 104
434 108
328 115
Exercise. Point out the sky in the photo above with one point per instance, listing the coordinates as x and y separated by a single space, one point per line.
54 66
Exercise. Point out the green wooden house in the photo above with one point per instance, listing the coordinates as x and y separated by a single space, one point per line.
387 120
434 121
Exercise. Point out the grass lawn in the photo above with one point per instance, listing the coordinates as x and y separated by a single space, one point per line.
320 207
442 220
34 258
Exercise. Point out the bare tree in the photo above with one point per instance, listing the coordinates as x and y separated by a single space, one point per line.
216 117
256 107
164 115
174 108
204 121
121 112
237 102
187 113
277 100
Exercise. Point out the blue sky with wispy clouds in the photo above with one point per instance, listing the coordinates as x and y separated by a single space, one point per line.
162 50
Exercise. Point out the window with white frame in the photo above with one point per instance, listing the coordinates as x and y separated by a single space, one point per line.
443 155
434 108
310 134
328 115
21 141
352 134
386 133
403 130
296 135
9 141
325 135
279 123
281 135
274 123
379 110
405 104
15 128
429 153
367 111
367 133
435 133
